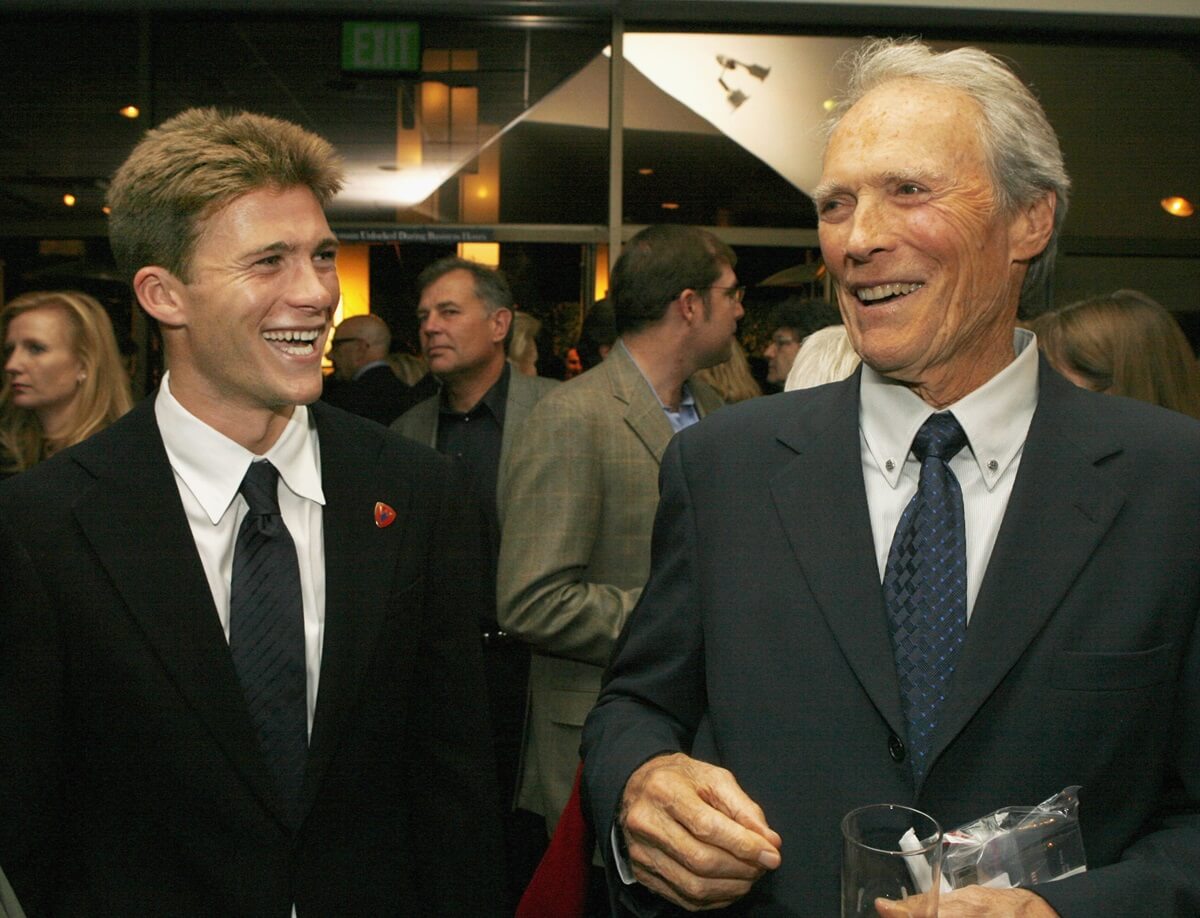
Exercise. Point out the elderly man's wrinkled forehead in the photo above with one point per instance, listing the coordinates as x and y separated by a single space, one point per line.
874 116
906 130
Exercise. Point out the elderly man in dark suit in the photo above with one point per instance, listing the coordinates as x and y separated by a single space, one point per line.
808 643
232 626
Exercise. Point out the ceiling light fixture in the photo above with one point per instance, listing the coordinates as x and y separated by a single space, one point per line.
69 199
736 96
669 205
1177 206
645 171
130 111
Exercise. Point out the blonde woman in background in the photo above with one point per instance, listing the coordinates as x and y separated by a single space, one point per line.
522 348
63 377
825 356
409 368
732 378
1123 343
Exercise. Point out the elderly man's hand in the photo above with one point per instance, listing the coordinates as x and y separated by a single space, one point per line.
693 835
974 902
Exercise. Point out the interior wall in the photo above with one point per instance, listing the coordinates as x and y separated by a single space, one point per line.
1174 282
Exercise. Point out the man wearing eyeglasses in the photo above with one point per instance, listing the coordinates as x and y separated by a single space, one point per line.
581 486
363 382
793 320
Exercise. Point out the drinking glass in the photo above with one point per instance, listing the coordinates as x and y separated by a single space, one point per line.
874 865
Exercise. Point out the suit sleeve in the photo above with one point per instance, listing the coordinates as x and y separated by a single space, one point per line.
455 821
554 495
654 692
31 725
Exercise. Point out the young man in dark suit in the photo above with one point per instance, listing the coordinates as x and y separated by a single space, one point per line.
239 671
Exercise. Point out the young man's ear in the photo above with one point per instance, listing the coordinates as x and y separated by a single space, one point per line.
158 291
690 304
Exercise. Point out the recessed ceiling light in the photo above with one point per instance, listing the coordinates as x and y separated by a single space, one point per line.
130 111
69 200
829 105
106 210
670 205
1178 207
645 171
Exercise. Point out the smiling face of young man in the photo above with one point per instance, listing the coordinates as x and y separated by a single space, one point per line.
246 332
928 270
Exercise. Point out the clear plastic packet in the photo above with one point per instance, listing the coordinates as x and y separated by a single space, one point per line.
1017 846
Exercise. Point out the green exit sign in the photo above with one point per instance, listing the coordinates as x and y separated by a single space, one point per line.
383 47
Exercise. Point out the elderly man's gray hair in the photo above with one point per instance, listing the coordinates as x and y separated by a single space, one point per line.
1022 150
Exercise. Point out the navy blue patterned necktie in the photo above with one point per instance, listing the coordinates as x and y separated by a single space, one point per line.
266 632
925 584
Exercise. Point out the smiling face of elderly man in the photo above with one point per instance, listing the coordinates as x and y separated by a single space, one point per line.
929 267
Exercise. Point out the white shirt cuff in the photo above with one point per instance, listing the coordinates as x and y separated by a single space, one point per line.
623 869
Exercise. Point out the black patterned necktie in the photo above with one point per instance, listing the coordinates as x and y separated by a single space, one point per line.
925 584
266 632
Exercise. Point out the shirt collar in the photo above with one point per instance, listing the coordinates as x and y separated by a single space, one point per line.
212 466
368 367
995 417
493 400
686 400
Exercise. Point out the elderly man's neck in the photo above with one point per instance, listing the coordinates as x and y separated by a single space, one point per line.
945 385
464 390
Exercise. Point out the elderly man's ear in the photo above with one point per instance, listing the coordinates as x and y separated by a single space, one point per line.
1030 229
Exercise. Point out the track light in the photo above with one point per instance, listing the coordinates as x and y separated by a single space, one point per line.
735 95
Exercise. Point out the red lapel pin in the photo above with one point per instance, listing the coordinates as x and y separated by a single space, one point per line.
384 515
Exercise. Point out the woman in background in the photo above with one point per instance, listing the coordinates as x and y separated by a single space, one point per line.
732 378
1123 343
63 377
825 356
523 349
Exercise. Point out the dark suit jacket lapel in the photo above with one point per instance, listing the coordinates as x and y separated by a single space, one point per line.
360 568
821 501
1062 505
136 523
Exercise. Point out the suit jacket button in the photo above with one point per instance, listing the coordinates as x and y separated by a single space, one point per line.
896 748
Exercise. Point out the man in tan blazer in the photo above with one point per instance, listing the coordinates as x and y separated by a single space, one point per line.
580 487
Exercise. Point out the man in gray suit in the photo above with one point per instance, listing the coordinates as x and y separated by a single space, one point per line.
465 313
580 488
